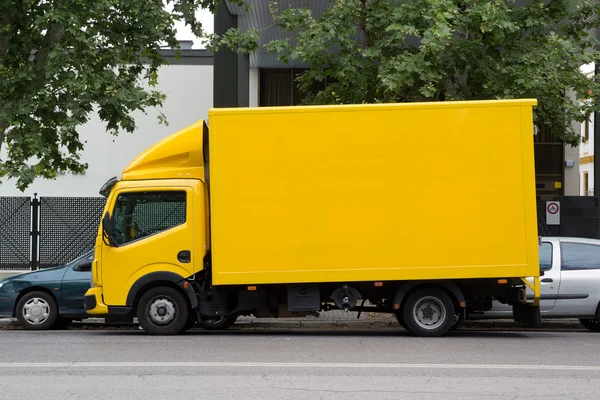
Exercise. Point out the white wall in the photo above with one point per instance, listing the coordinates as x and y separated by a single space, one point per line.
189 91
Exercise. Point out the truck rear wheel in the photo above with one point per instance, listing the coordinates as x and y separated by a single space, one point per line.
428 312
163 311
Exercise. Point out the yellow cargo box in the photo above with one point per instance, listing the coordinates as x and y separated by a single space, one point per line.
373 192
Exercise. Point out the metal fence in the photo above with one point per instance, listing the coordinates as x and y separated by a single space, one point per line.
45 232
15 233
67 228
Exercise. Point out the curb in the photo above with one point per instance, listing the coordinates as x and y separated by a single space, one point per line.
566 325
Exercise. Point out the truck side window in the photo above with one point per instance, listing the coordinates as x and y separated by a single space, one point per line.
545 254
579 256
142 214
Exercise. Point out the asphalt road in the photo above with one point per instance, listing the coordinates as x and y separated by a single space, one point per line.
298 365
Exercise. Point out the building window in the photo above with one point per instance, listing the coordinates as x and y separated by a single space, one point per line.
279 87
586 130
585 183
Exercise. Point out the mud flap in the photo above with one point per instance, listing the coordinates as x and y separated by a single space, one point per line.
527 314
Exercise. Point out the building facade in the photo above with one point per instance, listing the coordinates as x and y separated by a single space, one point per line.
586 153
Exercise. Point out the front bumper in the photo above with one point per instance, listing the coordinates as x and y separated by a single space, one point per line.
94 304
7 304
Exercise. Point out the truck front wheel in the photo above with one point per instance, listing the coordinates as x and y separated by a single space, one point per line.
163 311
428 312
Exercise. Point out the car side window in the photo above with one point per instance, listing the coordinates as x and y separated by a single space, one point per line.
545 254
579 256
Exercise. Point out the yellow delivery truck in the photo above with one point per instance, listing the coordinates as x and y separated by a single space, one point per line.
423 210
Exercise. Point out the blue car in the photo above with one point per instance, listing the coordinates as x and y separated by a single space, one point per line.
50 298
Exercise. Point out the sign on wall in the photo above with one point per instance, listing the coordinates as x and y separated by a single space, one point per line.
553 213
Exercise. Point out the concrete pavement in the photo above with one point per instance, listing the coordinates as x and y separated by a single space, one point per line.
341 320
298 364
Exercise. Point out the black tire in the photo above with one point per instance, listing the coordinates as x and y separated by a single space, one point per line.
159 300
219 323
428 304
43 305
459 318
400 319
590 323
62 323
192 319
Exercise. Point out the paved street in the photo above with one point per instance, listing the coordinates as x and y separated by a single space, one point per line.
299 364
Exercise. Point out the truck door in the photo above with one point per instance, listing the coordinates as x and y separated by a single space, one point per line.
154 232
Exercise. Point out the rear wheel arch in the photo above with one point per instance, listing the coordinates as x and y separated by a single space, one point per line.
450 288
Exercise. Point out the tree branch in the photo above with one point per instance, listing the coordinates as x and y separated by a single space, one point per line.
53 35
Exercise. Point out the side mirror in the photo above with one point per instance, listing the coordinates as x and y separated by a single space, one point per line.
108 230
84 266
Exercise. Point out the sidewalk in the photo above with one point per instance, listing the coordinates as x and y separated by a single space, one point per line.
341 320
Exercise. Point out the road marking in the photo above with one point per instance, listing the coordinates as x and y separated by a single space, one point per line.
348 365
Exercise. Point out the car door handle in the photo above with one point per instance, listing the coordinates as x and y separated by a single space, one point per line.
184 256
547 280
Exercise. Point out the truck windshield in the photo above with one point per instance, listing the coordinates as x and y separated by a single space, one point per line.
141 214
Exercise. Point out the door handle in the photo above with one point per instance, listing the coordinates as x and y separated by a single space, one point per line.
184 256
547 280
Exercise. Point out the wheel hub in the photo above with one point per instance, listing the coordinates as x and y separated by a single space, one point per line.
36 311
162 311
429 313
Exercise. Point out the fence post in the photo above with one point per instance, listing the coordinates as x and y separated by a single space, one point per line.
35 232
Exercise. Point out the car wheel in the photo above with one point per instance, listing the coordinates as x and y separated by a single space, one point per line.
590 323
218 323
163 311
37 311
62 323
428 312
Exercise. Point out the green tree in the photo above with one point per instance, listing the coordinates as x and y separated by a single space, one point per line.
434 50
62 60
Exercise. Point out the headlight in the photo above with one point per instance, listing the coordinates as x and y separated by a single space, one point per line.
1 284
